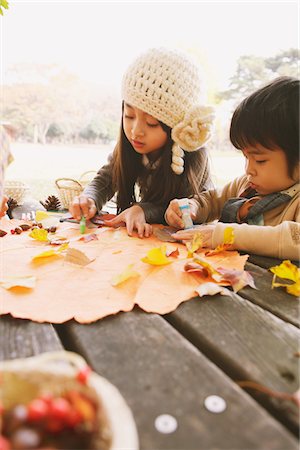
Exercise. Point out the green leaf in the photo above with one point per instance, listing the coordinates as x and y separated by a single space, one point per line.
4 3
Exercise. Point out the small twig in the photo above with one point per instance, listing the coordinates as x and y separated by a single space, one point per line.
276 394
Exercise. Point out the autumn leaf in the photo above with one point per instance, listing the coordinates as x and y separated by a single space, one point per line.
89 237
288 271
205 268
75 256
27 281
211 288
173 253
238 279
227 243
3 4
127 273
157 256
40 215
52 252
39 234
59 240
195 244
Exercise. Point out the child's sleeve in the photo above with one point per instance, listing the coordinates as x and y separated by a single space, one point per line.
209 203
100 189
281 241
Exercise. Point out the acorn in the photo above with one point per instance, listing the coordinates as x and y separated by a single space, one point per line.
25 226
18 230
2 233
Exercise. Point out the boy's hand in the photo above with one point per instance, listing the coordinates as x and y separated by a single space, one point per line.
187 235
134 218
173 214
3 206
83 206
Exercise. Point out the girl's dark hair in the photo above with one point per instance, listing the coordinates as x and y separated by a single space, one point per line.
270 117
165 184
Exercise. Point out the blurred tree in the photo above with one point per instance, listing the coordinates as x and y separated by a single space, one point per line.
254 71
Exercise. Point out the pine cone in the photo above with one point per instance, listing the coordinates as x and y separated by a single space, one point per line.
52 203
12 204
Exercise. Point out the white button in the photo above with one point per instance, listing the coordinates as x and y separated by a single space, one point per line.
165 423
215 404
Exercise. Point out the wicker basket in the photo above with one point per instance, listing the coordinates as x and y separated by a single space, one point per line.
56 373
69 188
16 190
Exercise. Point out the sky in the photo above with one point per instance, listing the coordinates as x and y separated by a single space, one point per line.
98 40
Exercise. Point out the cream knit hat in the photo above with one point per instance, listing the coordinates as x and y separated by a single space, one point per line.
166 84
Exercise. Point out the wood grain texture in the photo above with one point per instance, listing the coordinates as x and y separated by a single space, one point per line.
160 372
247 342
22 338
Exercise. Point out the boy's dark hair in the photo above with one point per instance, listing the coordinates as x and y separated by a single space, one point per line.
270 117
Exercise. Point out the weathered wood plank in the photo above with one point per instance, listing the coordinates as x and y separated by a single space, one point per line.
160 372
266 262
278 301
247 342
22 338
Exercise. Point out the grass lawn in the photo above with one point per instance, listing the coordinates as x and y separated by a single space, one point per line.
40 165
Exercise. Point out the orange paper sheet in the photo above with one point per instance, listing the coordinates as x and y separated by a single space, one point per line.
64 291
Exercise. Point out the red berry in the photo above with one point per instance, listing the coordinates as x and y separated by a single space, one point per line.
4 443
37 410
12 231
83 375
60 408
73 418
54 425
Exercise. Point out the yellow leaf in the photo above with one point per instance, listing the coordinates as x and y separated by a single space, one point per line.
75 256
286 270
40 215
27 281
129 272
39 234
211 271
157 256
52 252
195 244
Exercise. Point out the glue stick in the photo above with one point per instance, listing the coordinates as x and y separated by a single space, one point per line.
186 212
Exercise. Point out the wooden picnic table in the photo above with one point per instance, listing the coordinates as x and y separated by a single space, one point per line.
172 364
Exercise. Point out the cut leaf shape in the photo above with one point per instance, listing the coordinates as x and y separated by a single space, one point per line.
173 253
157 256
195 244
205 268
39 234
128 273
27 281
52 252
287 270
164 234
210 288
75 256
226 245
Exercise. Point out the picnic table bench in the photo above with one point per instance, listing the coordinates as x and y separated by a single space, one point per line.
172 364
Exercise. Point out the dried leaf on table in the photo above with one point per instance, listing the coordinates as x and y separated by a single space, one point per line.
203 267
195 244
173 253
75 256
39 234
237 278
157 256
40 215
128 273
210 288
59 240
288 271
52 252
164 234
89 237
227 243
27 281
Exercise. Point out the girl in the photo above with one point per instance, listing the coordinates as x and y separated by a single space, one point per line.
161 120
262 205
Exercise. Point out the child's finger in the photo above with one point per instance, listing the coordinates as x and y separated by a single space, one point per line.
174 220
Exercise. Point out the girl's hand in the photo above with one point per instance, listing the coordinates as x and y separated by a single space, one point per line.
187 235
173 214
134 218
83 206
3 206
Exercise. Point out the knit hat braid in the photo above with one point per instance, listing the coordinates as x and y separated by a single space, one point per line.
166 84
